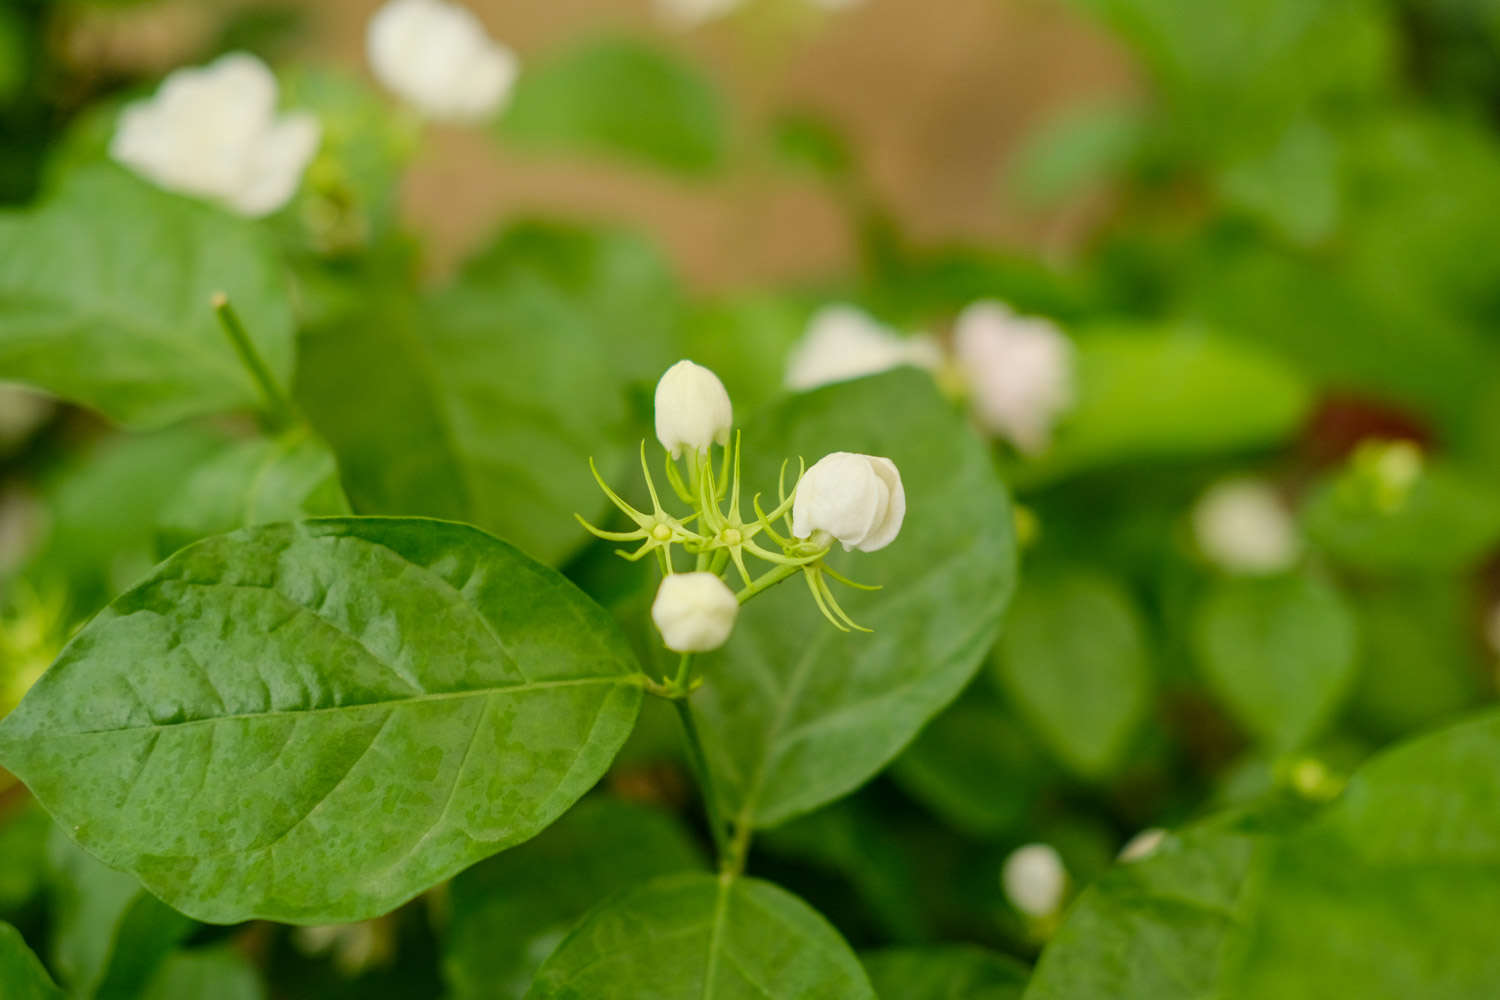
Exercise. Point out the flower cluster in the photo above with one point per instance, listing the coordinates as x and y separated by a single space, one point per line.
855 500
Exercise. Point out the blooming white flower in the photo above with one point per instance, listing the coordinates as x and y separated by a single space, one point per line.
1019 370
1034 879
436 56
213 132
694 612
1142 845
843 343
857 499
1241 526
692 409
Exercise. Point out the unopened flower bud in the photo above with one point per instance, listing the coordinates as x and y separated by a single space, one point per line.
437 57
1241 526
858 499
1034 879
692 409
1019 370
843 343
695 612
1142 845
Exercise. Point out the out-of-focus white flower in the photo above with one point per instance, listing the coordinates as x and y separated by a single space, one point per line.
1034 879
843 343
1142 845
857 499
437 57
22 411
213 131
1019 370
1241 526
694 612
692 409
689 13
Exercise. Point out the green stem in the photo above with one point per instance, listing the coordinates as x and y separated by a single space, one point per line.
279 408
767 581
699 762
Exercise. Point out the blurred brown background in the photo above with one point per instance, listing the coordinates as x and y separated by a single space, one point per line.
932 95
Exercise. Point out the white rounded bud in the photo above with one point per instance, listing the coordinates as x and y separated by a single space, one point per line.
437 57
1241 526
694 612
1142 845
692 409
1019 370
213 132
1034 879
843 343
857 499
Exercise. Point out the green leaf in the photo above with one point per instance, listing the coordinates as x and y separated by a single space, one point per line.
105 292
1149 393
697 937
1446 523
21 974
797 713
483 404
314 722
23 854
975 766
1077 149
510 912
254 482
1279 652
109 934
620 98
102 505
944 972
1073 659
1376 897
220 973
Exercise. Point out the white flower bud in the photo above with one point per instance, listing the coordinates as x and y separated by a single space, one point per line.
213 132
1142 845
1241 526
692 409
694 612
1018 369
843 343
1034 879
437 57
857 499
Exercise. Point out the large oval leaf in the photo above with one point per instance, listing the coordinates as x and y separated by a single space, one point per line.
697 937
313 723
799 713
105 299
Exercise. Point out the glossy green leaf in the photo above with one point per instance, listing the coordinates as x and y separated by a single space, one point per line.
483 404
620 98
1074 662
1148 393
220 973
21 974
105 299
254 482
314 722
1280 653
109 933
1379 896
976 766
510 912
697 937
944 972
797 713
